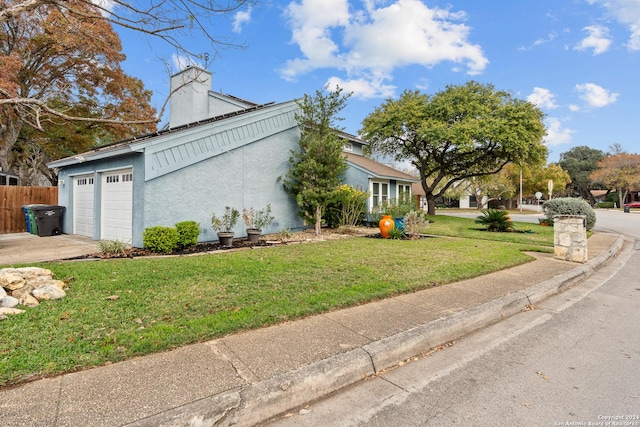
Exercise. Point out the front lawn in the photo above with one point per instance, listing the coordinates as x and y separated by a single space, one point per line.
120 308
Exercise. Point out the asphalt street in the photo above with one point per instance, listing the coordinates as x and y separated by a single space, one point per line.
572 360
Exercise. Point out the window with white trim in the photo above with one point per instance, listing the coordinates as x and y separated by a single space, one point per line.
404 189
379 193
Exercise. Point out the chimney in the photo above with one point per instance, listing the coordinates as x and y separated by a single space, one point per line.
189 99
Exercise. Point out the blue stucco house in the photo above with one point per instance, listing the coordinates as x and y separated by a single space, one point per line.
217 151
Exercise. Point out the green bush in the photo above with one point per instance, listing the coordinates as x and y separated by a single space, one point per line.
160 239
396 233
112 247
605 205
495 220
348 207
188 232
569 206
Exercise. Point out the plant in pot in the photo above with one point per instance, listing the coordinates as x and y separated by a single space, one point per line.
399 208
256 221
224 225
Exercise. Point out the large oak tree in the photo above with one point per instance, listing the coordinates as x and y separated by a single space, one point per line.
54 67
580 162
60 71
461 132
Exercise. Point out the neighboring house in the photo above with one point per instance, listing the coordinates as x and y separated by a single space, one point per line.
217 151
7 178
380 181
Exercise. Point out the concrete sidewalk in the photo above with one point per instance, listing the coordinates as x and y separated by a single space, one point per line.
246 378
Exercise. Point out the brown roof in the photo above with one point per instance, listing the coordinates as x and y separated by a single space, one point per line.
378 169
416 188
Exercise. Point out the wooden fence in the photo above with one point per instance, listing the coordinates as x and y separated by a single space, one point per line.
13 198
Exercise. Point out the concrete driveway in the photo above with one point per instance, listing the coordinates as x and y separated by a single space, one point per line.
24 248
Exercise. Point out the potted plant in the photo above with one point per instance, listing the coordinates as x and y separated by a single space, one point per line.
256 221
224 225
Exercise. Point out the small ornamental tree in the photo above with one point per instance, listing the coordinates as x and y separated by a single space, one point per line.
317 167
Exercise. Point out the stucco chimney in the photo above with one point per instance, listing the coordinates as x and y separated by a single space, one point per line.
189 101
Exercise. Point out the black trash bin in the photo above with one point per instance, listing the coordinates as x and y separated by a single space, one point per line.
48 219
626 209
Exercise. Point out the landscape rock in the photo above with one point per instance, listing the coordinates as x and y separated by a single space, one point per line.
11 281
6 310
49 291
27 286
9 302
29 273
25 290
29 301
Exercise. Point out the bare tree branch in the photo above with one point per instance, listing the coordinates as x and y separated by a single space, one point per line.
31 102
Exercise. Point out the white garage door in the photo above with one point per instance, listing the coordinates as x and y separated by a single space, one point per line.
117 204
83 205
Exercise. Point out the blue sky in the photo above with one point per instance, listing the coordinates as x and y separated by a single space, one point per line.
578 60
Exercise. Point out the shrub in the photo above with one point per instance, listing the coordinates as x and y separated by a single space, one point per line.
188 232
112 247
606 205
569 206
400 207
414 224
160 239
347 208
227 221
495 220
257 219
396 233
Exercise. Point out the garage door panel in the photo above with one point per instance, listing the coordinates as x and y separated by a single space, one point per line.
117 205
83 205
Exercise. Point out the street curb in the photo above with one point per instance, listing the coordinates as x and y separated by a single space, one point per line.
257 402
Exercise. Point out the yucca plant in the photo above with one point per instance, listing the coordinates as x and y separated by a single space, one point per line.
495 220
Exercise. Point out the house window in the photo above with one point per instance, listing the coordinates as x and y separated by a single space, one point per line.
404 189
127 177
348 146
473 202
379 193
113 178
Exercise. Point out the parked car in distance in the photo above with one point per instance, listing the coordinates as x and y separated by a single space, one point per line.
632 205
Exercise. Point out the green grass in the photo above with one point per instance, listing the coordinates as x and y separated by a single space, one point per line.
118 309
443 225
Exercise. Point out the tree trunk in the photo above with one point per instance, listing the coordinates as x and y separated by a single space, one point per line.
431 204
318 220
9 131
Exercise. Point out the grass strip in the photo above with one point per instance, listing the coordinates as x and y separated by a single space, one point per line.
121 308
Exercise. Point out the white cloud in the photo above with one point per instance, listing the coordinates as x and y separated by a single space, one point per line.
543 98
556 133
596 96
106 6
550 37
369 44
241 18
363 88
598 39
574 108
626 12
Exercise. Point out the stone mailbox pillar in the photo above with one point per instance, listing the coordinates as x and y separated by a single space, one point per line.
570 237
